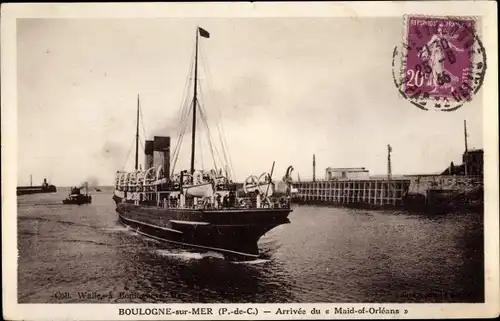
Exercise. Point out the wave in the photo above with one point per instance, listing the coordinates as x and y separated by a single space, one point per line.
55 204
85 241
48 238
117 229
258 261
28 233
187 256
55 221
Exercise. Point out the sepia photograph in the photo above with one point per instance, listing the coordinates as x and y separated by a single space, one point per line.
220 158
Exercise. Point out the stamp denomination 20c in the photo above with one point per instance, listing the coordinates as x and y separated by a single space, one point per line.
443 62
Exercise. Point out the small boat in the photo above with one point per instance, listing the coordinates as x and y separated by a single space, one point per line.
77 198
97 189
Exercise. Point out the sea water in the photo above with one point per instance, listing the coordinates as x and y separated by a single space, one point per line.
71 253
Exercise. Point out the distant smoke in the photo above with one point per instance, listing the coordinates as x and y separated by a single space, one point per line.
83 184
92 181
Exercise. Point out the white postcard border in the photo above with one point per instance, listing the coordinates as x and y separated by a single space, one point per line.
10 12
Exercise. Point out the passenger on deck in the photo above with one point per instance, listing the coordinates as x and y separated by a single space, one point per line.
217 201
257 199
232 199
282 202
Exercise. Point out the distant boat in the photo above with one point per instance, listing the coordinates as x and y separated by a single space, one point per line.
44 188
97 189
77 198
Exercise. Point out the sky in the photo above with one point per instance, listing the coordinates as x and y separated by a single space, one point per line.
286 88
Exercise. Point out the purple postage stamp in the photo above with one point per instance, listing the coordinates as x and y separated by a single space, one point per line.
443 62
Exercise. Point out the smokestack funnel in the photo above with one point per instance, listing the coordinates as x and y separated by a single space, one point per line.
161 153
148 153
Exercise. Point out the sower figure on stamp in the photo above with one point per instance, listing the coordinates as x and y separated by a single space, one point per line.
436 51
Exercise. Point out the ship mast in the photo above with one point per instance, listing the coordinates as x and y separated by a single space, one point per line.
137 137
193 134
205 34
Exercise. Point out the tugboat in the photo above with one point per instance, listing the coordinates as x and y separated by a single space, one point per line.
77 198
198 208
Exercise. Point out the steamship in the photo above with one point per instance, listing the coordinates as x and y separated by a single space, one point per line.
44 188
198 208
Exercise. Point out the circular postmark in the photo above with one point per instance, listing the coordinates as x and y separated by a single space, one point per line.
441 62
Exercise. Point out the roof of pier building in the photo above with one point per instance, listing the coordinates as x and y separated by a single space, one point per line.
346 169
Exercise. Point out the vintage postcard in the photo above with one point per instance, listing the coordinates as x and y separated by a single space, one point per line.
327 160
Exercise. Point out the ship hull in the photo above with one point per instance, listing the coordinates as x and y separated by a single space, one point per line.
78 201
234 233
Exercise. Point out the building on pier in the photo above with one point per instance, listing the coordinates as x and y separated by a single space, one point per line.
472 164
354 173
473 161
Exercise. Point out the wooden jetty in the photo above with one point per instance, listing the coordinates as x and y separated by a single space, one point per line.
412 192
456 187
368 193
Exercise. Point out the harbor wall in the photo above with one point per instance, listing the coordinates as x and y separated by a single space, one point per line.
422 184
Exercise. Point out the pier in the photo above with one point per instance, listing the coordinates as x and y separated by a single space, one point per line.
369 192
422 191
